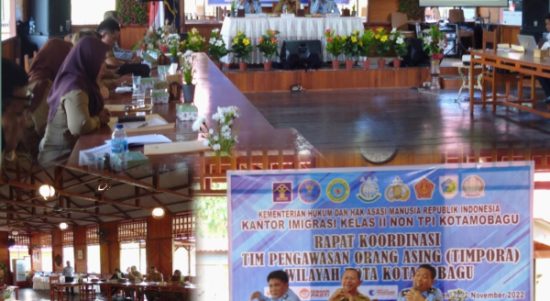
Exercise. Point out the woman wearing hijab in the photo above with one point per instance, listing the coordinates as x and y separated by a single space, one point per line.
42 73
75 102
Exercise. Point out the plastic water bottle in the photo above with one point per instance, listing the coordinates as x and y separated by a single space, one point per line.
119 147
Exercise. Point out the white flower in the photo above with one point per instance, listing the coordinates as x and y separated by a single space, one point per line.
206 143
216 30
215 138
393 30
212 41
198 123
400 40
211 131
219 43
216 116
216 147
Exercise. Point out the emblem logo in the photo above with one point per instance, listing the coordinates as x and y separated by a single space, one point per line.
473 186
338 190
448 186
282 192
309 191
369 192
424 189
397 191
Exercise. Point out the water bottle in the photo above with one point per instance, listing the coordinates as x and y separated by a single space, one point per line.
32 26
119 147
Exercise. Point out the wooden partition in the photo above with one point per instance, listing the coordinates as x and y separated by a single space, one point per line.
79 243
130 35
159 244
109 247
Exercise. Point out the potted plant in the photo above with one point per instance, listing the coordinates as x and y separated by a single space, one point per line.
187 73
352 48
194 41
172 41
434 43
221 138
367 46
399 46
268 46
381 45
242 48
335 46
216 47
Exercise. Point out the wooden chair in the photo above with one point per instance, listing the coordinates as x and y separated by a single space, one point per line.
87 291
490 76
56 293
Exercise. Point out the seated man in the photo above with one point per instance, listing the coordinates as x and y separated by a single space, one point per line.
134 275
422 289
278 288
324 7
286 6
250 6
109 32
351 279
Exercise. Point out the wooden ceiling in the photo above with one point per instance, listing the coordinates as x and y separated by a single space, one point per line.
84 197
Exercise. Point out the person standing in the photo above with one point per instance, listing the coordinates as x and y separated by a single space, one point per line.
68 273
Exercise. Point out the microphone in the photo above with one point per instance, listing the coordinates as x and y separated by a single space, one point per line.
404 292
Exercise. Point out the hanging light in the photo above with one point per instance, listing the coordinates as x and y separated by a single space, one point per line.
63 226
14 232
46 191
158 213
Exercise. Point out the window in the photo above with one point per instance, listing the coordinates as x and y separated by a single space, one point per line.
133 253
132 245
8 22
185 259
46 259
183 232
93 259
90 12
19 252
68 255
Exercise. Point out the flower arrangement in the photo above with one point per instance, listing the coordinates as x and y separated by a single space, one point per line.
368 42
186 63
335 43
381 41
353 45
458 295
221 139
216 45
194 41
398 43
434 43
268 43
172 40
241 46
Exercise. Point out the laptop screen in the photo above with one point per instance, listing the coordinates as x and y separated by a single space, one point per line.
528 42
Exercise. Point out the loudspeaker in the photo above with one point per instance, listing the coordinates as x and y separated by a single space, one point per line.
299 54
416 56
533 14
52 17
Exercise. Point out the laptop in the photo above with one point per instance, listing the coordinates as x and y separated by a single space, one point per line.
528 42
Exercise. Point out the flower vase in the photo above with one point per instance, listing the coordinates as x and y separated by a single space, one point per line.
396 63
335 64
268 64
366 64
242 66
349 64
381 63
434 70
188 93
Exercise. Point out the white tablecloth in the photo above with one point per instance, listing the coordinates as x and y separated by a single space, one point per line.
290 28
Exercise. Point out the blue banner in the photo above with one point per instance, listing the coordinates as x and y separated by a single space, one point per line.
473 223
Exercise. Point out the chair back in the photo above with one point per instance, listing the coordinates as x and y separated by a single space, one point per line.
399 20
456 16
489 40
54 279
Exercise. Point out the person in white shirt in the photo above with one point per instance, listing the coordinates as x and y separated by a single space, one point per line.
68 273
324 7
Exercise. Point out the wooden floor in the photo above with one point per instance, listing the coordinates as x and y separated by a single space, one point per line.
425 128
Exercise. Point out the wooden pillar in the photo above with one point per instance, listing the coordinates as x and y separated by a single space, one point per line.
57 251
80 254
109 247
181 8
159 244
5 256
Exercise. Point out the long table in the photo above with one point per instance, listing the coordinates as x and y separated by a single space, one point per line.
523 63
139 289
290 28
260 144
